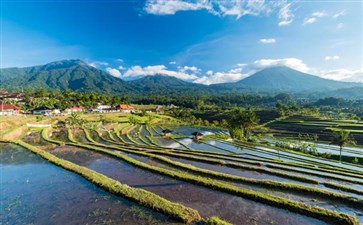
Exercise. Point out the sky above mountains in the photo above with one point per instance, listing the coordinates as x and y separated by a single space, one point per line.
203 41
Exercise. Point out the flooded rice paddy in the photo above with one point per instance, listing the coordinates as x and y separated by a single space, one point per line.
38 192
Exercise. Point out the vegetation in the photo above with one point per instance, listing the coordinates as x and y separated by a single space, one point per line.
140 196
318 212
341 138
233 178
242 122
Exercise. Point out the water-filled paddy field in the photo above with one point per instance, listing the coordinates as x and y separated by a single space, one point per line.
238 183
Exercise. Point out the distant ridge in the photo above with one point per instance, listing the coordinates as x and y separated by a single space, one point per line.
65 74
288 80
163 83
79 76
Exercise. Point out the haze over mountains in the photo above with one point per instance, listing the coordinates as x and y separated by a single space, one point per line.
78 76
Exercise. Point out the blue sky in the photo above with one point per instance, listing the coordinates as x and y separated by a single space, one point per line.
202 41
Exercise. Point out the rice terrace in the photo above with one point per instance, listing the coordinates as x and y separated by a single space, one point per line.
170 112
122 163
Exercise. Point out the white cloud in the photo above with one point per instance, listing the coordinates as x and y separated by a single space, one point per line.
193 69
343 75
121 68
97 64
285 15
220 77
235 8
172 63
209 72
319 14
170 7
119 60
241 71
309 20
339 14
245 70
293 63
314 16
114 72
136 71
335 57
267 40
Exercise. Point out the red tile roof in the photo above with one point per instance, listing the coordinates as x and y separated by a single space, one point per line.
8 107
77 107
125 106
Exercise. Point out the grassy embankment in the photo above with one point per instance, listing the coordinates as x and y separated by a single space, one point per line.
263 183
140 196
233 165
313 211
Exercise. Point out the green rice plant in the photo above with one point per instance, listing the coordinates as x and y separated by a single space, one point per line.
309 210
214 220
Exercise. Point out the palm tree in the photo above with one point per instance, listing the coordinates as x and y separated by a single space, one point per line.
242 122
74 119
341 138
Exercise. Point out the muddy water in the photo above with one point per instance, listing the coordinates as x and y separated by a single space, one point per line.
126 139
34 191
301 197
206 201
169 143
94 135
225 146
153 132
200 146
144 131
233 171
323 179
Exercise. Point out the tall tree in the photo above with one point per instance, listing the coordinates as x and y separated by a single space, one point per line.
342 138
242 122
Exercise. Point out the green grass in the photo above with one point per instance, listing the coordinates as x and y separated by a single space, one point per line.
216 221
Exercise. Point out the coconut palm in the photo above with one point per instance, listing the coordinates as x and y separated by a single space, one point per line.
341 138
242 122
74 120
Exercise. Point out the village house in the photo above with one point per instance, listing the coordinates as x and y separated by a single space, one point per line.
74 109
167 133
102 108
8 109
197 135
15 97
126 108
46 111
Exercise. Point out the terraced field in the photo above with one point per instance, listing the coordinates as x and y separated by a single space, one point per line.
295 125
151 179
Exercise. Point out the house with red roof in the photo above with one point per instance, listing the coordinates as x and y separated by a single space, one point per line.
125 108
74 109
8 109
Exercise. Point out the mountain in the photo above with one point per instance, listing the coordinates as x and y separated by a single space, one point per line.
78 76
65 74
285 79
164 84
